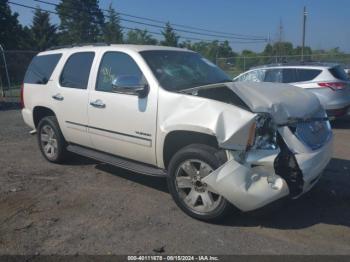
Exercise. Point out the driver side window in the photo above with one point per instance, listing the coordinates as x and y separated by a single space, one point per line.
116 68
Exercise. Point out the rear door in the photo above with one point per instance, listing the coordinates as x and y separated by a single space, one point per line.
70 97
273 75
289 75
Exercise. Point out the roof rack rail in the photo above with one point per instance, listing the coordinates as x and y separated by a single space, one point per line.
78 45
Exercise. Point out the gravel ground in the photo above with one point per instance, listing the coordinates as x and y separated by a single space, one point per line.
86 207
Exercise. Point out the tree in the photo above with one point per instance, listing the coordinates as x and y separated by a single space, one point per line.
170 36
140 37
186 44
82 21
10 30
268 50
113 32
42 31
211 50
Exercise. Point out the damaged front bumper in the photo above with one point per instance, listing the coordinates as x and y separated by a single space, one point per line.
268 175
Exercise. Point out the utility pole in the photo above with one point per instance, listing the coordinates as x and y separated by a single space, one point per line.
280 40
304 25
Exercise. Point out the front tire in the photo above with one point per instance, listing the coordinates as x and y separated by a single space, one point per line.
51 141
186 170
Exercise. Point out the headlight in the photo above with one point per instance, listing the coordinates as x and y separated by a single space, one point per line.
265 133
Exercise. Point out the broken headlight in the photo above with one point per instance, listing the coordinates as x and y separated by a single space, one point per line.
265 133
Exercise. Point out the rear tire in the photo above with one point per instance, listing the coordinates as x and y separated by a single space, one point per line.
51 141
186 169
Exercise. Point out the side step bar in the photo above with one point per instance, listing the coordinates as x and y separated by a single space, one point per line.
117 161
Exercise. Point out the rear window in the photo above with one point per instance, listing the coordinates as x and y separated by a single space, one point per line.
76 71
339 73
307 74
41 68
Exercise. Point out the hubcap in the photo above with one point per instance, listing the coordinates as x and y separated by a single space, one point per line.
48 141
193 192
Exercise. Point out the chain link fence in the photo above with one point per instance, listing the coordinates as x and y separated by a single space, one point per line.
16 64
18 60
236 65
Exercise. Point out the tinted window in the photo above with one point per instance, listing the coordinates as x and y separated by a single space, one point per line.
307 74
339 73
76 71
273 75
253 76
118 67
41 68
289 75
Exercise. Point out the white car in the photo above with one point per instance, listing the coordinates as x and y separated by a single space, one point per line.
328 81
170 112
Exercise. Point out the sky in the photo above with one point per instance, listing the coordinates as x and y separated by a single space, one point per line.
328 21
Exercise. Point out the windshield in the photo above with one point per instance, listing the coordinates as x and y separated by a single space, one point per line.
177 70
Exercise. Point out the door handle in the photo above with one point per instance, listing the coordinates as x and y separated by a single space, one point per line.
58 97
98 103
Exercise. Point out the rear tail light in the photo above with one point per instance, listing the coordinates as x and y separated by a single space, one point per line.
22 97
333 85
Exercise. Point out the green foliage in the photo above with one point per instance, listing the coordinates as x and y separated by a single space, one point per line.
10 29
212 50
170 36
42 31
82 21
113 33
140 37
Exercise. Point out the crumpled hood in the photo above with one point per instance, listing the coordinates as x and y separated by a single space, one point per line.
282 101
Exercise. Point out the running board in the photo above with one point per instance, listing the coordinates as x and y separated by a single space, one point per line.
117 161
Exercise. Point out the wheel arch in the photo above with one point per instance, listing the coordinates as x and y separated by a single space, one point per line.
178 139
39 112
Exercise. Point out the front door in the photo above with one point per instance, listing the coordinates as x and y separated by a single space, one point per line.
122 123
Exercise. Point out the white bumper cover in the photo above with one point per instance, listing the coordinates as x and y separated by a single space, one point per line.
254 184
28 117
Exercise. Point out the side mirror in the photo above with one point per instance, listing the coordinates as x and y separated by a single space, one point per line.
130 84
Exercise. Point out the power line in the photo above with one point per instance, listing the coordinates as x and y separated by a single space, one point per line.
159 26
151 32
178 25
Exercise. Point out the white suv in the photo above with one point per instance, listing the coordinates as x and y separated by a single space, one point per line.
327 81
169 112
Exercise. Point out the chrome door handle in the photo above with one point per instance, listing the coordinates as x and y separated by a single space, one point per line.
98 103
58 97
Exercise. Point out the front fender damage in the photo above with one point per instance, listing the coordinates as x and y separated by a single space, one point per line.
264 176
249 185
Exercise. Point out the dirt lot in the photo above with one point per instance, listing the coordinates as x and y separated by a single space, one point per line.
87 207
